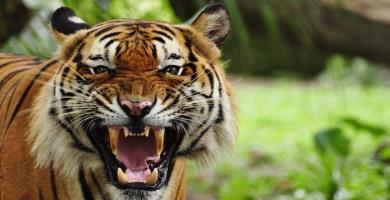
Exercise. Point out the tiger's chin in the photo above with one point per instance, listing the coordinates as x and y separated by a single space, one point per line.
140 158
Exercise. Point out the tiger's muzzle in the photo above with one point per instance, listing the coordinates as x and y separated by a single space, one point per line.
137 155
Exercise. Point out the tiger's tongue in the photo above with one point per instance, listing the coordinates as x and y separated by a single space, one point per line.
134 151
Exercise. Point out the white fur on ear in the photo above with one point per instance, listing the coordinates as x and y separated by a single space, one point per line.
76 19
213 21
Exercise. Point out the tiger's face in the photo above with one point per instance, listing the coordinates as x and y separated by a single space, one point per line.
141 93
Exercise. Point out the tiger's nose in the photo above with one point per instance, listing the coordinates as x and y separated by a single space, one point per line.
137 107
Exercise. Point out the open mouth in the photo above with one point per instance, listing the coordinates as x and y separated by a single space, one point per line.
140 158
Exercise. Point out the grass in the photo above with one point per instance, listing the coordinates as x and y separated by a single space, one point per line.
275 155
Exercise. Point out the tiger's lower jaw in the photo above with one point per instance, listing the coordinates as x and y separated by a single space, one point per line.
137 161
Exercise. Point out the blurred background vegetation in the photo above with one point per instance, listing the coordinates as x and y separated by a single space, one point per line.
312 78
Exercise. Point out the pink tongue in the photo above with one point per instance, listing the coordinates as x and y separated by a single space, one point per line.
134 151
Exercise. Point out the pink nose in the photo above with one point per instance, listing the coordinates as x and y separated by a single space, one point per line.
136 107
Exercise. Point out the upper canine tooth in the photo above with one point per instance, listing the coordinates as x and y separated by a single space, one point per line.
159 137
114 138
126 130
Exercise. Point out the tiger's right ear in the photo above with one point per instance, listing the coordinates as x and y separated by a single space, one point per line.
65 22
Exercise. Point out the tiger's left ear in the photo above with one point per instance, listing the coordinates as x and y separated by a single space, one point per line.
213 21
65 22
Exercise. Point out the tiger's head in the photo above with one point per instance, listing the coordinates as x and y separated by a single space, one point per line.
133 95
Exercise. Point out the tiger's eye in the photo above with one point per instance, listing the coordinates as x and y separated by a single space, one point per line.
172 69
100 69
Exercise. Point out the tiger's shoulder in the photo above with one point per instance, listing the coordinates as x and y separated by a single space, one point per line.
20 78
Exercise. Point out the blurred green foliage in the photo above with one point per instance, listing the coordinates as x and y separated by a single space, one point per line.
305 140
103 10
356 70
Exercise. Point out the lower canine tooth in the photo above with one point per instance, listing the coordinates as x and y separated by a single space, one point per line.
122 177
152 178
159 137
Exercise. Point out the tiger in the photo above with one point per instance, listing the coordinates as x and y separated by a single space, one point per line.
119 111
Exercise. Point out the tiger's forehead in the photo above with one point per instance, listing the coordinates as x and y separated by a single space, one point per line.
133 43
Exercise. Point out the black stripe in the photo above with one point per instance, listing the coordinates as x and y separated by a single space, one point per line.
169 93
101 31
101 103
84 186
109 35
78 57
166 28
164 34
159 39
53 182
64 75
14 61
110 42
118 51
171 104
131 33
98 185
154 51
96 57
191 56
211 80
221 116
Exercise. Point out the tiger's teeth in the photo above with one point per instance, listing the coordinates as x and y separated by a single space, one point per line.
146 133
159 138
122 177
126 131
114 138
152 178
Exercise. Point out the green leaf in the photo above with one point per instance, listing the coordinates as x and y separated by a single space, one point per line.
332 141
361 126
382 154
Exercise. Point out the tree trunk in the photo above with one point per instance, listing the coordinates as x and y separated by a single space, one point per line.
14 15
